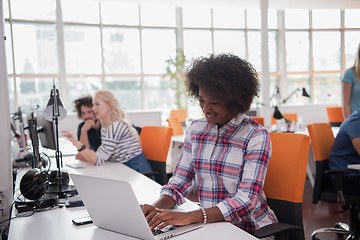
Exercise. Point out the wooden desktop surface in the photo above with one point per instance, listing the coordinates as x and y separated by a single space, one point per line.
56 223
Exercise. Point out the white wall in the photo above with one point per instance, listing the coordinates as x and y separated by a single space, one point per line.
5 160
138 118
309 113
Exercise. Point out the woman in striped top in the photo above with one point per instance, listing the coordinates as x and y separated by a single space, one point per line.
119 139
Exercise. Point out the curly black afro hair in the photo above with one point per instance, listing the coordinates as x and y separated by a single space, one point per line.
224 77
83 101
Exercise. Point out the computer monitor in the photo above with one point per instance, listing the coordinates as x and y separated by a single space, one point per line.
46 132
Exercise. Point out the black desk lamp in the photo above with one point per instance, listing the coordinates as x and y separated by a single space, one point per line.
54 112
277 114
303 93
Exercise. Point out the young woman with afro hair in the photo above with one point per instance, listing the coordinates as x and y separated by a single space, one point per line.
225 154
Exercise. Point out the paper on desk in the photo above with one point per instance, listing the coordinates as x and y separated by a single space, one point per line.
78 164
354 166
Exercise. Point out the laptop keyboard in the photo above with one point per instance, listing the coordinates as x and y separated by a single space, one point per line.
163 230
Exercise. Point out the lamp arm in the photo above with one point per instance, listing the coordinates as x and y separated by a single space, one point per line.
286 99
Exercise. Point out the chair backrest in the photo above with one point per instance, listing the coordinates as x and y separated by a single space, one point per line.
285 178
180 114
335 115
322 139
175 124
260 120
155 142
289 116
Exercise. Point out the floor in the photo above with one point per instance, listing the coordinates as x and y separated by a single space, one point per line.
320 215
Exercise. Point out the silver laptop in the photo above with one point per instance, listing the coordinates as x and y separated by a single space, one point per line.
112 205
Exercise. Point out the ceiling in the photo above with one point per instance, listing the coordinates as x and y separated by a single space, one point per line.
277 4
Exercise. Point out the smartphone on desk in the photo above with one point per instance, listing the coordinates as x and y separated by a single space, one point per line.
74 201
82 221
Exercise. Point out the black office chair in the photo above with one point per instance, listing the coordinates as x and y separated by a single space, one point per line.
322 139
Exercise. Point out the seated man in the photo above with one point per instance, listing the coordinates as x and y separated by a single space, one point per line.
346 150
88 131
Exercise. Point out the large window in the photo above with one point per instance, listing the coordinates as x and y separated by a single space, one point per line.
318 51
82 49
123 47
121 50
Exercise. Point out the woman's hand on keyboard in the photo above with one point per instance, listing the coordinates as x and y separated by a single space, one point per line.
149 211
165 217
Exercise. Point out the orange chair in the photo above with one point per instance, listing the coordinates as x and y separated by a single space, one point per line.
175 124
180 114
289 116
260 120
322 139
155 142
284 185
335 115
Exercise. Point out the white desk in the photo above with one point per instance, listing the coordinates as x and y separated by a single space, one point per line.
56 224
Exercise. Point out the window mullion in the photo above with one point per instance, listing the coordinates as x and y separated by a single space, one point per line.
61 50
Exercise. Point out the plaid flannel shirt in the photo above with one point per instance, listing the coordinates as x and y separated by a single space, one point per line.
228 166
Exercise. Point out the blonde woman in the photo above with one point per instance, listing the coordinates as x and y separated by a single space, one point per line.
119 140
351 87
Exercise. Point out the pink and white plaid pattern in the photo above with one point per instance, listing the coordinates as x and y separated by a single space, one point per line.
228 166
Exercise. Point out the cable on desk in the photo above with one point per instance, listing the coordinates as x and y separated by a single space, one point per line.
30 213
47 158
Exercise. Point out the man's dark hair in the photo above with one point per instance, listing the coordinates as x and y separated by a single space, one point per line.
83 101
224 77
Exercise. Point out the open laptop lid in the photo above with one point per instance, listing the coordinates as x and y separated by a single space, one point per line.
112 205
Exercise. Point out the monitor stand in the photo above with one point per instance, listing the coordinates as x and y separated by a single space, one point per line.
63 191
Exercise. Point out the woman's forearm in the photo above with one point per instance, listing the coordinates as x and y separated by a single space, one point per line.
87 155
165 202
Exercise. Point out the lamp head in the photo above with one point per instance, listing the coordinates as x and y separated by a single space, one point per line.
50 111
304 93
277 114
